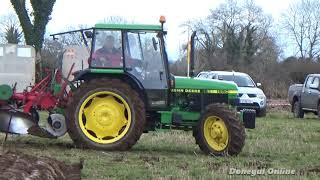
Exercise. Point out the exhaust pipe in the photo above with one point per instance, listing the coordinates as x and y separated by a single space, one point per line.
190 57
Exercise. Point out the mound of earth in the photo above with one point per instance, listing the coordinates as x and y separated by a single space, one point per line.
16 166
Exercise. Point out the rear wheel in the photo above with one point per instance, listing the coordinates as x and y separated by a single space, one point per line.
105 114
297 110
219 132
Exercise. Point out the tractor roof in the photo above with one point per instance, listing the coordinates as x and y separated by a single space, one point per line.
129 26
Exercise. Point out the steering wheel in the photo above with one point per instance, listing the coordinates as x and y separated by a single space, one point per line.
102 61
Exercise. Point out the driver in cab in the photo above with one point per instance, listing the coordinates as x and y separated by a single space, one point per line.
108 55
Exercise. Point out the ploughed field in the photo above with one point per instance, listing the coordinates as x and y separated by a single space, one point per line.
17 165
278 142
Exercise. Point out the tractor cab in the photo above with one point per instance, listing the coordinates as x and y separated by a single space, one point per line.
131 51
136 50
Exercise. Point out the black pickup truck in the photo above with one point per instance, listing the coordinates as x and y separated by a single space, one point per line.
305 97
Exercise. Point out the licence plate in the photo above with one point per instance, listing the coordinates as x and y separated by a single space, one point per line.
246 101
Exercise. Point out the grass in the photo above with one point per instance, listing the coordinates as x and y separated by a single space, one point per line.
279 141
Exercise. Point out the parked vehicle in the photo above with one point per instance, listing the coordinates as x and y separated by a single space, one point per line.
305 97
251 97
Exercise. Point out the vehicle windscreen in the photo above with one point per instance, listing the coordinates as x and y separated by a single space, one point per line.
202 75
241 81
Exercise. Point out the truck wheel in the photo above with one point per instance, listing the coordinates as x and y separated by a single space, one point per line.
105 114
297 110
219 131
262 112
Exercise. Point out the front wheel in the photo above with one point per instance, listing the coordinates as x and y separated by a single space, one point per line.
105 114
219 132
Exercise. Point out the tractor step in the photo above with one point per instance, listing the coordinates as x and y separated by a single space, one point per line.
176 119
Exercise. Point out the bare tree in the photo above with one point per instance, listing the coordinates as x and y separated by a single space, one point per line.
302 23
234 34
10 30
34 23
237 35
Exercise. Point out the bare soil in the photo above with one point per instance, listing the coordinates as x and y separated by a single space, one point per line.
16 166
275 105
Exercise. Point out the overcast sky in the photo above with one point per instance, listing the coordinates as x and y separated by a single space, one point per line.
68 13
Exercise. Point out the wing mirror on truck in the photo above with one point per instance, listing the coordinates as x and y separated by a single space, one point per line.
258 84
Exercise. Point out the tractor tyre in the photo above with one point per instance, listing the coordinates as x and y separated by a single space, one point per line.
219 132
105 114
297 110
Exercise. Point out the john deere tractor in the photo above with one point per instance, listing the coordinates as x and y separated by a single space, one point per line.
128 89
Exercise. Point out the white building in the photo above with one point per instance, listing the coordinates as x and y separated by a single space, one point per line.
17 65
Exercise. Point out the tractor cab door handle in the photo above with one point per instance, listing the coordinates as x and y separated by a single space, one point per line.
160 74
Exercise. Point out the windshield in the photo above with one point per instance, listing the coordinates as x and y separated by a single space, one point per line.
240 80
107 50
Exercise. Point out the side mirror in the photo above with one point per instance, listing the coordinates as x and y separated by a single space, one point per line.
155 44
88 34
258 84
313 86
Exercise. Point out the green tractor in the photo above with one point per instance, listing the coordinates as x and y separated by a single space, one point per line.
128 90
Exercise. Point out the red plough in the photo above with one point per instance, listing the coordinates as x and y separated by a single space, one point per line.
19 114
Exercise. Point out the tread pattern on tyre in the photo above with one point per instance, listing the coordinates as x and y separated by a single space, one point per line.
300 113
235 128
118 86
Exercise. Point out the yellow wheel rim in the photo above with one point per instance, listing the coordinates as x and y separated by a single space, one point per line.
104 117
216 133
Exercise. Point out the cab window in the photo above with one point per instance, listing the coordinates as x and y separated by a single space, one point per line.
202 75
316 81
212 76
309 81
107 50
144 58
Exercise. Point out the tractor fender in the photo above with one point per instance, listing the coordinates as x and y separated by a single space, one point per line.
80 75
127 77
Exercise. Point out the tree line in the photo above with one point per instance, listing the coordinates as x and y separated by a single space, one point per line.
239 36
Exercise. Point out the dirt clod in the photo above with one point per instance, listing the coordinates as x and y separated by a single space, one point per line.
22 166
